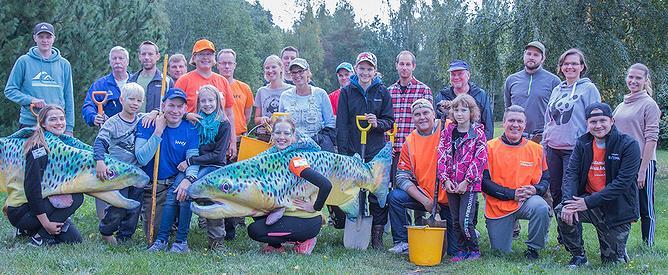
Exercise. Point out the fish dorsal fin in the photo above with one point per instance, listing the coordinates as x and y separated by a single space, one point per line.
76 143
356 155
22 133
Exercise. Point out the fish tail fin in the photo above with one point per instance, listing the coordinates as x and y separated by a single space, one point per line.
380 169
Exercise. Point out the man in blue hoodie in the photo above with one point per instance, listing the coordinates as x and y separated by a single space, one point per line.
460 84
111 84
40 77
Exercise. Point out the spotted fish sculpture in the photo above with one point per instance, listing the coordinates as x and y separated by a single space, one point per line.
264 185
71 169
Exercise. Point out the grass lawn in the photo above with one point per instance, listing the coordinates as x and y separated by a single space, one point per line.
329 256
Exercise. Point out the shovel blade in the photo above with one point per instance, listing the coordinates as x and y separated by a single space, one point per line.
357 234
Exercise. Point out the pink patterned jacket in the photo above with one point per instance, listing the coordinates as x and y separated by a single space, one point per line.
469 159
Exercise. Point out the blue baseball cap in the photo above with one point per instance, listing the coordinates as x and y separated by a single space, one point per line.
175 93
344 65
458 65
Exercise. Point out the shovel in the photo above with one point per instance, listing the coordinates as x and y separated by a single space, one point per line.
432 222
357 234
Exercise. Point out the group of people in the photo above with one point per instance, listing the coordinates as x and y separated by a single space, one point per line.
562 153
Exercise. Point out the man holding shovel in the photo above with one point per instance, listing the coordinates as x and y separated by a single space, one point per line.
108 89
365 96
416 179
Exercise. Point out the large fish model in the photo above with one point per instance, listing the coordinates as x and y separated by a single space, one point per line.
71 169
264 185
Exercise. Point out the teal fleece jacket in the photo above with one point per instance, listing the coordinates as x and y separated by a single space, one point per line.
49 79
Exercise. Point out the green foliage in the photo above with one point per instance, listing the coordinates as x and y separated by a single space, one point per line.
489 34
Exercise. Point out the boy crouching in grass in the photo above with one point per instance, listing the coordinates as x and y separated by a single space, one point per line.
117 138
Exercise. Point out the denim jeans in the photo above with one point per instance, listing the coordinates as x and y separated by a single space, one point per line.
399 201
122 221
169 213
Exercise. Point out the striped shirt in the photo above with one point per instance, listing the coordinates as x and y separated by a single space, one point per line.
401 103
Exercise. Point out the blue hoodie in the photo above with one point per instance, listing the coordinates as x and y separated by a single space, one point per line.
49 79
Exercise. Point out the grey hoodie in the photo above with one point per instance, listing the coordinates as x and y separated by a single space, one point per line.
565 119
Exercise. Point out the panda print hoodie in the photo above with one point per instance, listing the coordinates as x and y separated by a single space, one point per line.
565 119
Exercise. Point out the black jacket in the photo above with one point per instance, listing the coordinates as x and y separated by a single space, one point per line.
353 102
214 154
484 104
619 199
152 94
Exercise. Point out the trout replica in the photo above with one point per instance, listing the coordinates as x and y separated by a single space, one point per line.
71 169
264 185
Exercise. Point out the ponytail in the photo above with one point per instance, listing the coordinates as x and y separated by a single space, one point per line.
648 78
38 138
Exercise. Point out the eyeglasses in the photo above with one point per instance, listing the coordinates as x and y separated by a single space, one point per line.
300 72
571 64
208 54
226 63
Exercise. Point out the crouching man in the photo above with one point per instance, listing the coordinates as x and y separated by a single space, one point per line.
416 178
600 188
513 184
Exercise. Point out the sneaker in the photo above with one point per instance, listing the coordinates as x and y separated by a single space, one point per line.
460 256
216 245
400 248
473 255
305 247
268 249
531 254
36 241
158 245
180 247
110 240
19 233
578 261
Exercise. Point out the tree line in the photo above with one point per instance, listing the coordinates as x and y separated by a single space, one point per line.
490 35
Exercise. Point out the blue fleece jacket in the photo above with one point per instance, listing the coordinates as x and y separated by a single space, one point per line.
111 107
49 79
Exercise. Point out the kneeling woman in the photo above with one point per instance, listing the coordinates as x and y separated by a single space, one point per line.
47 223
303 225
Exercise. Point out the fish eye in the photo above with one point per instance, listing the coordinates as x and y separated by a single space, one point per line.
112 174
227 187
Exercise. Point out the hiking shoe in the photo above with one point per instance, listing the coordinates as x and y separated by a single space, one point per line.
531 254
516 230
268 249
400 248
158 245
578 261
111 240
180 247
473 255
201 223
460 256
305 247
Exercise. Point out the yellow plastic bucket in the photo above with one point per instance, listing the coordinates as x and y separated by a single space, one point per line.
425 245
250 147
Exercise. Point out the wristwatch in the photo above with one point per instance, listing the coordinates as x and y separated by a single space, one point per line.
191 179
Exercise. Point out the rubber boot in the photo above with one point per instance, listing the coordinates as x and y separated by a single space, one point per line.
377 237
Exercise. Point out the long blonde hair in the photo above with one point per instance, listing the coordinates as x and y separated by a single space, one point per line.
648 82
219 114
38 137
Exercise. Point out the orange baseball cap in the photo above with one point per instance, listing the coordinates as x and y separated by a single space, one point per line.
202 45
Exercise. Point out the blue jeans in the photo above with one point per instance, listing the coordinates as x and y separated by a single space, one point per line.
399 201
169 213
122 221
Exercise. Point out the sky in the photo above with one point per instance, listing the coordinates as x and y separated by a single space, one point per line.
285 12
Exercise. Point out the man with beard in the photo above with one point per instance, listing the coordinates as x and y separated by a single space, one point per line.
149 77
531 88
